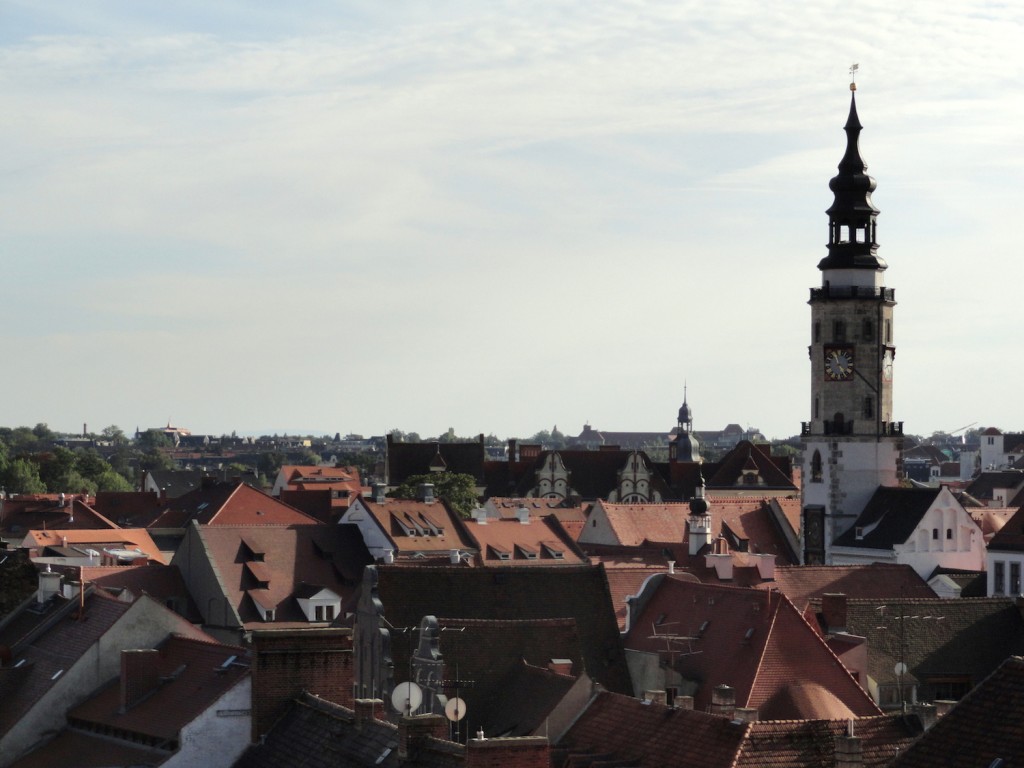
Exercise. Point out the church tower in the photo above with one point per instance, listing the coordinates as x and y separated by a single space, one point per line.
851 445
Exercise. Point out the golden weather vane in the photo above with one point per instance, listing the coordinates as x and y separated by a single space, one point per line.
853 76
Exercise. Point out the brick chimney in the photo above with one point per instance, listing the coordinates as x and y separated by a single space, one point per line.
833 612
523 752
723 701
746 714
412 729
683 702
849 750
364 709
286 662
656 697
140 675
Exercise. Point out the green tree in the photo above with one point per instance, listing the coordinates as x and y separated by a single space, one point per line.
114 434
112 481
457 489
23 477
270 462
43 431
90 464
154 438
55 467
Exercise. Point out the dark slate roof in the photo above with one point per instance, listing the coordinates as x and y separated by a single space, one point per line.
1010 538
49 649
508 696
176 482
581 592
407 459
987 725
84 750
971 583
727 473
984 484
315 733
943 637
890 517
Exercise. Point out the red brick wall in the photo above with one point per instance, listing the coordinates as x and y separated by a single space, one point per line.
140 675
288 662
527 752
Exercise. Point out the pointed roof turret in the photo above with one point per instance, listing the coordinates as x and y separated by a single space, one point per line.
852 229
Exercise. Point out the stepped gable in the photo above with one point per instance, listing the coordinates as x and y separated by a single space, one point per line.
592 474
804 585
578 592
984 728
890 517
960 637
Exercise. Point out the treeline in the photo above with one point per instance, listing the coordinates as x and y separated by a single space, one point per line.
32 461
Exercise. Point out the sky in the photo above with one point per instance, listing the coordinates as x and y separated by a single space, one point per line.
496 217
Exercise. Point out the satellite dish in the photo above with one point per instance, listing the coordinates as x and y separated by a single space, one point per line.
901 668
406 698
455 709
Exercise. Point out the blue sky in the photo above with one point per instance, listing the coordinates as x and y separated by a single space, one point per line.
358 216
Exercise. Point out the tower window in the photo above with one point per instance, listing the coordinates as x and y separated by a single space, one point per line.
869 407
949 534
868 331
816 467
839 331
935 534
816 407
817 331
888 331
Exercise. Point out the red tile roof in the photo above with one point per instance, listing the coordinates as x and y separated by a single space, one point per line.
194 674
84 750
507 541
103 540
805 583
754 641
618 730
232 503
330 556
811 743
416 526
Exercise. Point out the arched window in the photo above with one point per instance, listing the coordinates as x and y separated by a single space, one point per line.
816 467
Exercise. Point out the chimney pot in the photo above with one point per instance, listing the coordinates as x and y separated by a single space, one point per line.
723 701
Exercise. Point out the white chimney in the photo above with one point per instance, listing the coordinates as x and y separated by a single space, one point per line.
49 585
455 557
389 555
523 515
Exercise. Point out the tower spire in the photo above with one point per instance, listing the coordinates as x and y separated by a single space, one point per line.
852 242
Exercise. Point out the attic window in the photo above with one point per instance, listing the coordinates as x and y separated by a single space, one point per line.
553 552
526 552
498 553
749 634
859 531
703 628
268 615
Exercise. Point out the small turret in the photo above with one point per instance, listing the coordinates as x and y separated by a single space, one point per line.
700 521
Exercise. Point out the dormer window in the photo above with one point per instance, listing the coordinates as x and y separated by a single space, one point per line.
526 552
498 553
554 552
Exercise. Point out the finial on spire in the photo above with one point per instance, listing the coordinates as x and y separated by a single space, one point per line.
853 76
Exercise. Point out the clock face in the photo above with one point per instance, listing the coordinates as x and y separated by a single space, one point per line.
838 363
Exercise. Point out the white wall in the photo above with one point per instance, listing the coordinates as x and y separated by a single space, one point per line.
215 740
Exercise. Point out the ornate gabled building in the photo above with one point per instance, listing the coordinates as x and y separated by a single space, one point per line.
851 444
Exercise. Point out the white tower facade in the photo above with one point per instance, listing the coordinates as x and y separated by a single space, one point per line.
851 445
